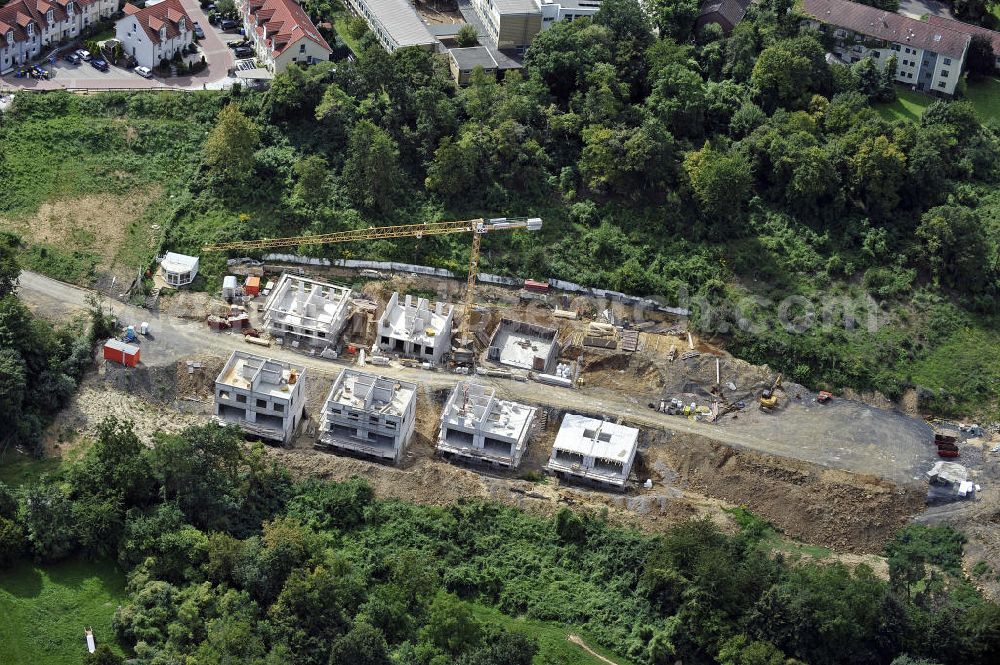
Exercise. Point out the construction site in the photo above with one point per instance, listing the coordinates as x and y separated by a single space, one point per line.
541 398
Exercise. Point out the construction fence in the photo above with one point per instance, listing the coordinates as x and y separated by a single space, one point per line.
562 285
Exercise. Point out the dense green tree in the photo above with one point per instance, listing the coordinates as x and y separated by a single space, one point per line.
451 625
315 608
47 516
230 146
11 542
467 36
980 60
507 648
102 655
9 265
371 172
879 170
311 184
954 245
720 181
675 18
781 77
361 645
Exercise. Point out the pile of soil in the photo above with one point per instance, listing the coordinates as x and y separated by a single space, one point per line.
837 509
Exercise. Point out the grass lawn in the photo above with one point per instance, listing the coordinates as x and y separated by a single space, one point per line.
340 25
45 610
909 105
985 96
17 469
553 640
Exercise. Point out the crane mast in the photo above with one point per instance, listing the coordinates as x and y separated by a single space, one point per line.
477 227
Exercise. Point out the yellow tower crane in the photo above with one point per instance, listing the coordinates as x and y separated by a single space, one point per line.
477 227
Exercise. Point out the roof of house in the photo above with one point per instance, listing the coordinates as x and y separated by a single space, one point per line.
178 262
166 14
473 56
516 7
283 23
881 24
958 26
596 438
400 21
17 14
732 11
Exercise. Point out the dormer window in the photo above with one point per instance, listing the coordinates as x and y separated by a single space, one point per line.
50 17
69 8
163 34
30 29
10 37
182 25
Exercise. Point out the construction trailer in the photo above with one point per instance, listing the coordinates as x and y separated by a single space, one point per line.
121 352
415 328
306 311
265 398
594 450
478 426
229 286
178 269
369 415
524 345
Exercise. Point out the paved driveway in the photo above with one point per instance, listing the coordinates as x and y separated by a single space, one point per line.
215 76
919 8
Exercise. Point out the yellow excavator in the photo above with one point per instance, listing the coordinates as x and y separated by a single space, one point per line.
768 398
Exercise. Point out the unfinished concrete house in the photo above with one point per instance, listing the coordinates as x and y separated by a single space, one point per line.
477 426
523 345
303 311
414 328
263 397
369 415
594 450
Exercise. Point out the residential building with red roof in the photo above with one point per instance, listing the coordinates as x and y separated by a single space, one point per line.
155 33
282 34
929 57
29 27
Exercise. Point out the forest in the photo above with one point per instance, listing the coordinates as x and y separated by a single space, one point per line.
231 560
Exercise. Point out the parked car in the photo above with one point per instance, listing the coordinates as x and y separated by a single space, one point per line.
228 25
243 52
198 32
74 59
100 63
214 18
84 54
144 72
37 72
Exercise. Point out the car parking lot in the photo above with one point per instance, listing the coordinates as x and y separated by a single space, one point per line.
67 75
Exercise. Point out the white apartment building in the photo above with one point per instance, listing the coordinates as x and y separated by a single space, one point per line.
154 33
929 57
28 27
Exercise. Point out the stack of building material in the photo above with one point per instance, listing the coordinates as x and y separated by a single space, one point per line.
630 341
600 335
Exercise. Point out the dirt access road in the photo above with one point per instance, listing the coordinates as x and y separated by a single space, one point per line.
849 436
